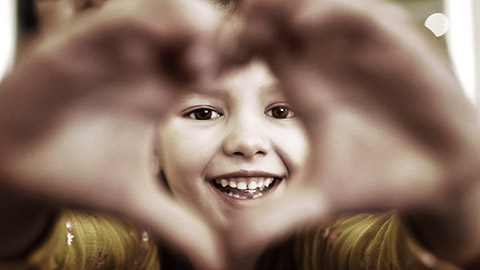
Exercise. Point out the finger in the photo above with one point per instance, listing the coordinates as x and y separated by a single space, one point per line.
380 63
129 35
182 35
180 227
271 222
260 24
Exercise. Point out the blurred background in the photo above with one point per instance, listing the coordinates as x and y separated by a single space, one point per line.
461 41
450 24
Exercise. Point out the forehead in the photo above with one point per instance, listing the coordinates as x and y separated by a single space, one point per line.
243 84
254 75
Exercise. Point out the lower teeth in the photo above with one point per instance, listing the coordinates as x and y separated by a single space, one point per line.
237 196
248 193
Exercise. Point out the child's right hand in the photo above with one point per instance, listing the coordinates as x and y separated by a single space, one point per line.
78 114
389 124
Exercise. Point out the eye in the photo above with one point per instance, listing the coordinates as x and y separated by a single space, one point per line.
280 112
203 114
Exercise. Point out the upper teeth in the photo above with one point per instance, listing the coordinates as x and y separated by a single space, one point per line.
244 183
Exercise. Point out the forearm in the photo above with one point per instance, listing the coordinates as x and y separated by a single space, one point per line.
452 231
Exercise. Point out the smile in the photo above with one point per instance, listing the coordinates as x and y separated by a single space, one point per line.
246 188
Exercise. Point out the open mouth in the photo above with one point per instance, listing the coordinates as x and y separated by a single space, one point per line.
246 188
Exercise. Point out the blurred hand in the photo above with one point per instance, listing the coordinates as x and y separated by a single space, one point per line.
389 125
78 114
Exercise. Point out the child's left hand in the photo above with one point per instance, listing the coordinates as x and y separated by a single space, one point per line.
389 125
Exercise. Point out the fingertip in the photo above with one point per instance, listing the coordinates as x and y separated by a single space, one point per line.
180 228
277 220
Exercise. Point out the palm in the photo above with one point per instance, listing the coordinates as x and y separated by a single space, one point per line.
388 122
93 95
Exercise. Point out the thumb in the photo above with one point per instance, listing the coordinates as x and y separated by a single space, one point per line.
273 221
180 227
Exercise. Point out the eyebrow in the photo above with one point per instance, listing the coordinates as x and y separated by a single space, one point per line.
215 93
274 89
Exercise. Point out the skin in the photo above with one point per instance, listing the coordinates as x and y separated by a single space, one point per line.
115 93
421 123
242 136
245 139
389 124
248 94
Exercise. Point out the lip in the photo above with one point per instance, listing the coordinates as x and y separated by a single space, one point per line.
243 203
246 173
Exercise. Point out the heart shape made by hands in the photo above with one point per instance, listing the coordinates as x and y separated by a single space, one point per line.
388 126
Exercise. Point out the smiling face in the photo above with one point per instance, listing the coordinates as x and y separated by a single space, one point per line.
234 147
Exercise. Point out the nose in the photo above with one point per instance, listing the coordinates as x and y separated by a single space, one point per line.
246 138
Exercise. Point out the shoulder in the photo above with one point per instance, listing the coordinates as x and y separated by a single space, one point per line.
364 241
82 240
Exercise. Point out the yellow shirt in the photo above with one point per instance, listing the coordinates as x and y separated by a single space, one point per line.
362 242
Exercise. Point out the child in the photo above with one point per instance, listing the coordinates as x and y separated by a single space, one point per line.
126 78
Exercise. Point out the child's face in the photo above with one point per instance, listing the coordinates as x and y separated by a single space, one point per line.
234 147
248 138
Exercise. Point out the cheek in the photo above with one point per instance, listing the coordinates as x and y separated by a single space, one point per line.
184 153
293 146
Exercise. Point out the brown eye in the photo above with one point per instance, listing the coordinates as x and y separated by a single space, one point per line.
203 114
280 112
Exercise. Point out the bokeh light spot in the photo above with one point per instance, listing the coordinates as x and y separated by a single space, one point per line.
438 23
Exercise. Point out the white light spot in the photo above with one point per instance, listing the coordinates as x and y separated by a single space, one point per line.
70 238
145 236
438 23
